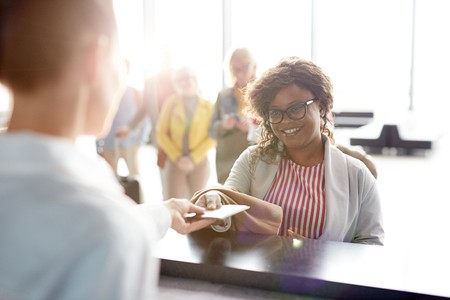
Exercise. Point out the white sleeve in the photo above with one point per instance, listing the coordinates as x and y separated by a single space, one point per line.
158 214
112 265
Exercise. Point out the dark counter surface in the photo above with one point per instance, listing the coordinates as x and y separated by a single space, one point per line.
305 267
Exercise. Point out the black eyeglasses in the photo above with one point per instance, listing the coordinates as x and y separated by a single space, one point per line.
296 111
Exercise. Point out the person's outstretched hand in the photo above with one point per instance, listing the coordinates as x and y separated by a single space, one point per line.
178 209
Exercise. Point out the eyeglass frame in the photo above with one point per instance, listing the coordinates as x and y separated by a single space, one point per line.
286 111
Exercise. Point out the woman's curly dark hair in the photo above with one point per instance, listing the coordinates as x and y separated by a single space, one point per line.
261 92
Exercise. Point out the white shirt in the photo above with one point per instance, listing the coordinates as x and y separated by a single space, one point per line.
66 229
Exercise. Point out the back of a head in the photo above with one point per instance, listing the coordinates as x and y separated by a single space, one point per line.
39 37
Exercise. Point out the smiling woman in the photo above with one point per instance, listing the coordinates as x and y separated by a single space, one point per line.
324 193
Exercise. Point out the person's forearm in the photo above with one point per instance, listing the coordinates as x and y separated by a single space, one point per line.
141 114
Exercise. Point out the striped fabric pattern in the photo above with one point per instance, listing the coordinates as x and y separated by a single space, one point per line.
300 191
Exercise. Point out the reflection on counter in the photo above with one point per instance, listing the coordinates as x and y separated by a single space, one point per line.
301 266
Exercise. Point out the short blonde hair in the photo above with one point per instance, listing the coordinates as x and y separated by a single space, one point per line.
234 53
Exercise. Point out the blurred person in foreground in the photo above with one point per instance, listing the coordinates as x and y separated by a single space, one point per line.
67 229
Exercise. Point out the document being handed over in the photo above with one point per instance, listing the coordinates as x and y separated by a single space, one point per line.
222 213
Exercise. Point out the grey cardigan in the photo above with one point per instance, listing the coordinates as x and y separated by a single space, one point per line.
353 208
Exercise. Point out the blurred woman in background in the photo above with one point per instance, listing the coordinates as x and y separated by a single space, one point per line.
229 126
182 133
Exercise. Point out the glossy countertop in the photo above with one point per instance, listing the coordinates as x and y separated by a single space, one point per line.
304 267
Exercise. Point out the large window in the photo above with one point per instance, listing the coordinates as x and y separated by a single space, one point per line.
130 23
365 46
193 32
271 29
382 55
432 58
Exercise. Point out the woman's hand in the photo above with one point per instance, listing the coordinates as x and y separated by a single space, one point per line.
185 164
228 122
210 200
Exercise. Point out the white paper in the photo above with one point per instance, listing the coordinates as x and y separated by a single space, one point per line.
224 212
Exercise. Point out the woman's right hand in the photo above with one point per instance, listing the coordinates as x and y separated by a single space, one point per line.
210 200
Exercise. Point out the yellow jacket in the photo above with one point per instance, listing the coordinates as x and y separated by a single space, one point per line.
171 128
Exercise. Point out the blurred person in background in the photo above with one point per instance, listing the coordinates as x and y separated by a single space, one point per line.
229 125
157 89
115 146
182 133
